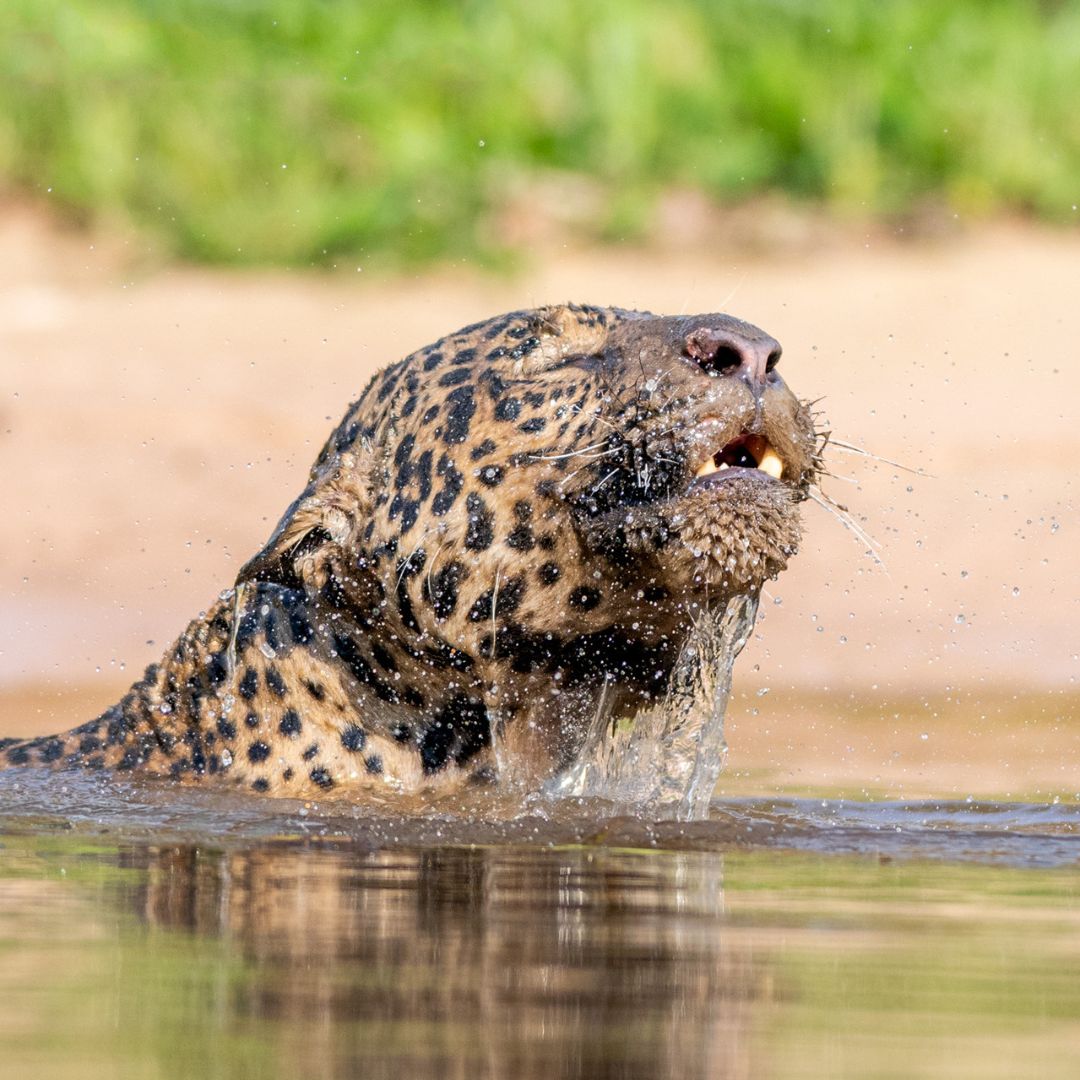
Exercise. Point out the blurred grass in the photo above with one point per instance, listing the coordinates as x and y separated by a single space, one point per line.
295 133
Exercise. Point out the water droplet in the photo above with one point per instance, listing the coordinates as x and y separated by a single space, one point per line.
960 620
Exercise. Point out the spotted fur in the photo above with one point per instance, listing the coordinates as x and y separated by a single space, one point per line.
505 524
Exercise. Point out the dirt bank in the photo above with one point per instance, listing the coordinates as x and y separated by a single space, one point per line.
153 427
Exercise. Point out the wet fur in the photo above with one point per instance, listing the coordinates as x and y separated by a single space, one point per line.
500 527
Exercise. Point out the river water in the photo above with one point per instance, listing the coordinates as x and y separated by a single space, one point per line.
146 934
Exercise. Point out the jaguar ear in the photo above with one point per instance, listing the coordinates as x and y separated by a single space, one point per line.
312 542
299 542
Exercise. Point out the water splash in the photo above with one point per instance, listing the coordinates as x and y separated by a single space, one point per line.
667 760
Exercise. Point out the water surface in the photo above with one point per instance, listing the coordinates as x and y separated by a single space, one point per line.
145 935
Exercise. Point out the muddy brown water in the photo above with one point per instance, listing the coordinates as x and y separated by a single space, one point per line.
146 934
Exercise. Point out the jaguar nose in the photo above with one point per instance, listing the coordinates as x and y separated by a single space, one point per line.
724 351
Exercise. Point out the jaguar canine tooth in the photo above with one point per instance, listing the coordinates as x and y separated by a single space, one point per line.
770 463
707 468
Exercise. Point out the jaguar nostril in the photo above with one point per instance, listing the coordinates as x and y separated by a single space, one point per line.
725 359
730 351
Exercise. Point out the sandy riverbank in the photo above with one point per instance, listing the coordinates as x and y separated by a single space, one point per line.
154 425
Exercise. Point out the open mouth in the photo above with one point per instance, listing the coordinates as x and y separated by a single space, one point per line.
745 452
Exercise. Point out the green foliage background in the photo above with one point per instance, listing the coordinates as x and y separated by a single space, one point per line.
298 131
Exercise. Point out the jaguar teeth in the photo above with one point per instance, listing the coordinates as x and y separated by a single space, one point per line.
770 463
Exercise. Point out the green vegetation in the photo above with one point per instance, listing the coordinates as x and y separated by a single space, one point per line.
274 131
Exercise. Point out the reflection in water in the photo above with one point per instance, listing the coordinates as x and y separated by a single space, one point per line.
471 962
285 959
